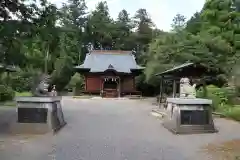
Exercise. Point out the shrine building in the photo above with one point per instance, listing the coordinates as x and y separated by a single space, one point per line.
110 73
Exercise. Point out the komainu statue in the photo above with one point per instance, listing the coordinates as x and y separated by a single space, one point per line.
41 86
186 89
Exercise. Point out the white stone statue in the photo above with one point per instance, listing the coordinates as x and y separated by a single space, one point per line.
54 91
186 89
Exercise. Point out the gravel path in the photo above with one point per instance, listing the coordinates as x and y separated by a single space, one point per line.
113 130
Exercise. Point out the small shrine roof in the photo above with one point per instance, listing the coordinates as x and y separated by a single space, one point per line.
190 70
7 68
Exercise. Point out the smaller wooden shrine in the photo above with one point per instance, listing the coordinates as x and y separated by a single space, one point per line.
110 73
187 114
193 71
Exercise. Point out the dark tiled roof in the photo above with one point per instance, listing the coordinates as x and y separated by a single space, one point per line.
100 62
191 69
175 68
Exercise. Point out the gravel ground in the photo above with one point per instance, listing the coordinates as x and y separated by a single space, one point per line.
109 129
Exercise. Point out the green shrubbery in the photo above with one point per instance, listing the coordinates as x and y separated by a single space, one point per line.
220 96
15 84
6 93
232 112
223 100
20 81
76 84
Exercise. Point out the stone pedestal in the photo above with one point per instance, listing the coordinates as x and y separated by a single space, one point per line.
189 116
38 115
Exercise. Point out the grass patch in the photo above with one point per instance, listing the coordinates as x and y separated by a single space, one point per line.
232 112
8 103
23 94
13 103
83 97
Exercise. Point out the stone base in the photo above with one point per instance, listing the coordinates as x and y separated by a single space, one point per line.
47 111
189 116
190 129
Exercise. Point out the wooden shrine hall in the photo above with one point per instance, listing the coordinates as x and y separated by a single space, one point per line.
110 73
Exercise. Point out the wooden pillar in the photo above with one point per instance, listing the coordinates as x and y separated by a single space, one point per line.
102 86
204 89
119 87
8 78
174 88
160 91
134 83
85 80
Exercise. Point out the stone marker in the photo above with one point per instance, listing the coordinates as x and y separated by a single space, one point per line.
41 113
189 114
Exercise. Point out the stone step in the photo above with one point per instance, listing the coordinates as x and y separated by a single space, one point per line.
196 129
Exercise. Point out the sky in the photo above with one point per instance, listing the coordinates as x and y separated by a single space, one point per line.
162 12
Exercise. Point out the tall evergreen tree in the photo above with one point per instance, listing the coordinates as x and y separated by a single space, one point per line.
144 33
100 27
123 32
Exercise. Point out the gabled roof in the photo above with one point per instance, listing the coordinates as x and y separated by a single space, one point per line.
110 66
7 68
169 71
190 69
120 61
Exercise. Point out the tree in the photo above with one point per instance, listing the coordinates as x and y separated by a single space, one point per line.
30 33
74 20
178 22
144 25
9 8
122 32
63 65
74 14
144 33
123 17
100 27
12 31
220 23
194 25
46 30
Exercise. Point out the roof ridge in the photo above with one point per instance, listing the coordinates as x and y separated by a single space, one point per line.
110 52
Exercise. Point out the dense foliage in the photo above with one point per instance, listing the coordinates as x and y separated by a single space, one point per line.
44 38
224 100
210 37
